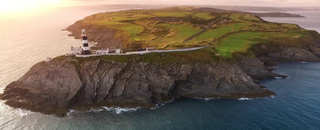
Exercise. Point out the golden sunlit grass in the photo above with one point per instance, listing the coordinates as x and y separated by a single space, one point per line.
24 5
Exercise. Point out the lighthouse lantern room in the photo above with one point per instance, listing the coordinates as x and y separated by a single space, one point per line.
86 48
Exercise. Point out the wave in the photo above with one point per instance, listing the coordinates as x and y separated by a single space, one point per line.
16 111
160 104
95 110
272 96
206 99
71 112
22 112
245 99
119 110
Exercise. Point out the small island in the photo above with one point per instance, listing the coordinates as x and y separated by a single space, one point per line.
237 50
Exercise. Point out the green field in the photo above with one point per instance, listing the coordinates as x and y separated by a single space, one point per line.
184 27
238 42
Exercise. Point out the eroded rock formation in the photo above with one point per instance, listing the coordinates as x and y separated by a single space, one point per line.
65 82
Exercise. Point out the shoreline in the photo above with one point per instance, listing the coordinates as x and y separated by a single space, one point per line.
144 80
63 112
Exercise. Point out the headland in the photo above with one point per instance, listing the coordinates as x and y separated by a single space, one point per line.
238 50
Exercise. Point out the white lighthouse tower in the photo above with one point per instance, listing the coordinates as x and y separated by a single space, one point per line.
86 48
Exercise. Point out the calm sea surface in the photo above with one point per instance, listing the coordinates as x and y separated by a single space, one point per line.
26 39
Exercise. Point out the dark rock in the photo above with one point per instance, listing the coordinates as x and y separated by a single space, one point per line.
61 85
69 83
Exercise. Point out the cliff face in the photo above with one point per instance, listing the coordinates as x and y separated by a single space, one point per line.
56 86
66 82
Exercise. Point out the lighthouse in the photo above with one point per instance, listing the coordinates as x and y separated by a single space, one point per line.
86 49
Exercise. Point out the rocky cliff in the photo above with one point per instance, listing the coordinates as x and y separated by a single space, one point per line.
69 82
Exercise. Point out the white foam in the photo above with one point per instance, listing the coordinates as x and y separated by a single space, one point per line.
22 112
303 62
70 112
119 110
153 108
244 99
205 99
159 104
208 99
273 96
95 110
278 77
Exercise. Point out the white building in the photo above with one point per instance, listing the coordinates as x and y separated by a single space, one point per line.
118 51
103 51
75 50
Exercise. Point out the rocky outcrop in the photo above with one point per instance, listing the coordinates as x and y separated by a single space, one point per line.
47 87
63 83
70 83
271 55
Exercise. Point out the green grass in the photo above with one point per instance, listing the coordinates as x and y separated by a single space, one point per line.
210 34
178 33
133 30
235 16
239 42
168 28
204 15
205 55
171 14
250 17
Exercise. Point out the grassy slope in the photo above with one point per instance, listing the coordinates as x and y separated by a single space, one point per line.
168 28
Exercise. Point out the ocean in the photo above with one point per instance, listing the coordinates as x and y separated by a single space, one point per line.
28 38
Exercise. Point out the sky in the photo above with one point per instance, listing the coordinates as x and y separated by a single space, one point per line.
20 5
217 2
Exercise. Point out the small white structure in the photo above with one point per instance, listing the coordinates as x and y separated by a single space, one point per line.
75 50
118 51
106 51
48 59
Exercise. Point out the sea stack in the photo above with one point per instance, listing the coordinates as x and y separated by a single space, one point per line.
86 48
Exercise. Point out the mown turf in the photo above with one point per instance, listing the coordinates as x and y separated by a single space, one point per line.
217 32
228 32
238 42
203 15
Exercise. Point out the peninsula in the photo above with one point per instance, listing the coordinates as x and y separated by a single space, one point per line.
238 50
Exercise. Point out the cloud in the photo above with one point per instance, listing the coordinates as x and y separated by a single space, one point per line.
214 2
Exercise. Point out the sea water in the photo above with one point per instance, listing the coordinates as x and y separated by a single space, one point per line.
28 38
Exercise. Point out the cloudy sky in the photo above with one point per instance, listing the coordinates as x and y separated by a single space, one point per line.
20 5
217 2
